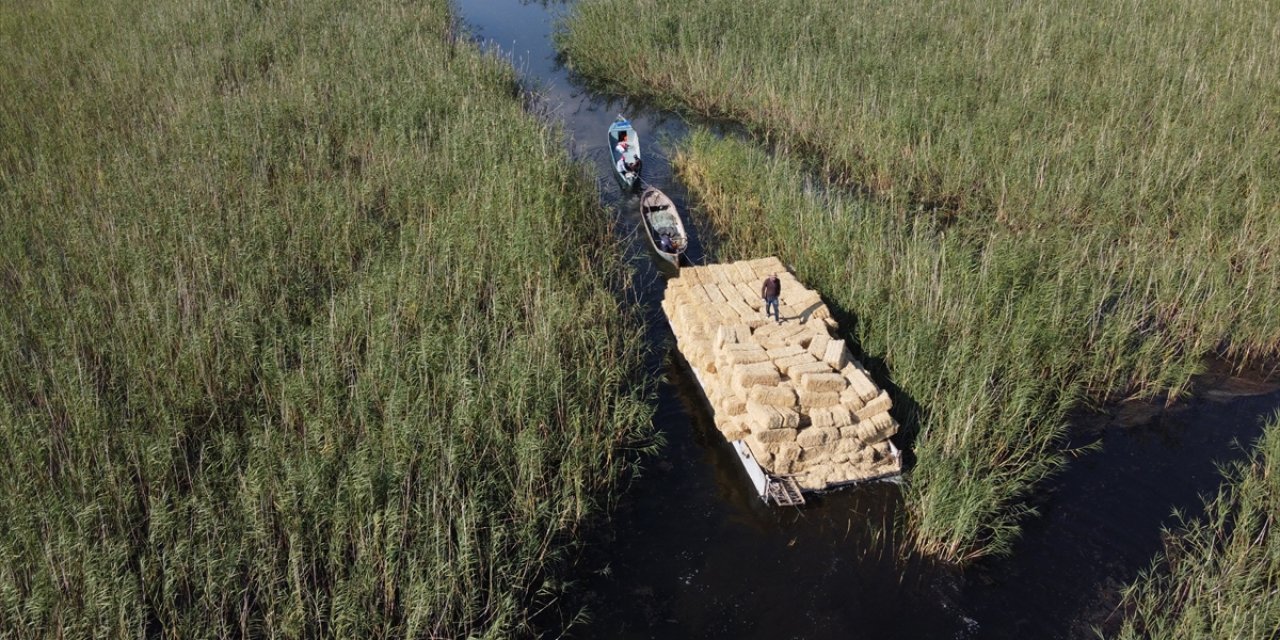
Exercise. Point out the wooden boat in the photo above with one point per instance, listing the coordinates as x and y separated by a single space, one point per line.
662 222
628 180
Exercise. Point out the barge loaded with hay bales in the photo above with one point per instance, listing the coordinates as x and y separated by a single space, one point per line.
801 412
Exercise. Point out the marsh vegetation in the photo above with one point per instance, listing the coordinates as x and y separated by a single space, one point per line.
295 341
1067 204
1218 575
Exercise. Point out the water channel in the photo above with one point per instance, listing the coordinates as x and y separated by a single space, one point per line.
690 552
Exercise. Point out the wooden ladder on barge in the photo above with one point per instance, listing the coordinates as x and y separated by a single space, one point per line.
784 492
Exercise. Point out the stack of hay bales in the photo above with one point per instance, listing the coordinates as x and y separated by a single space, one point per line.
790 390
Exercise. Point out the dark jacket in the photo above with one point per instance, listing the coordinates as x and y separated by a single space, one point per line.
772 288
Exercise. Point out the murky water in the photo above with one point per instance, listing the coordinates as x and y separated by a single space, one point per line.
690 552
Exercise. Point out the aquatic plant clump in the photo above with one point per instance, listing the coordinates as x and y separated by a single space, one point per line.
1219 574
281 355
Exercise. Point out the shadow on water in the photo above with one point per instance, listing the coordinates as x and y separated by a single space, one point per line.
690 552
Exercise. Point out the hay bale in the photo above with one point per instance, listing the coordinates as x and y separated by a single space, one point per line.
722 273
881 450
820 470
860 382
740 354
818 399
786 351
761 450
798 371
822 381
783 335
775 436
734 430
859 471
724 335
849 398
864 432
787 452
713 294
823 312
750 294
734 404
851 446
764 266
811 482
884 427
785 364
816 453
790 417
793 333
818 345
880 404
814 436
762 333
819 417
841 417
776 396
705 362
734 272
744 310
762 416
837 354
750 375
765 460
860 455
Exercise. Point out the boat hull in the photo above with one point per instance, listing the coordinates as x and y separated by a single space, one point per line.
662 220
628 181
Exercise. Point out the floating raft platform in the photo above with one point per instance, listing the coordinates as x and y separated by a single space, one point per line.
801 412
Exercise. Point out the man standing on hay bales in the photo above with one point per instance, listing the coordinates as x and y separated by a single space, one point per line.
770 291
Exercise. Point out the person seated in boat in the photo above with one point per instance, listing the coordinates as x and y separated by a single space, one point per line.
664 243
623 147
622 167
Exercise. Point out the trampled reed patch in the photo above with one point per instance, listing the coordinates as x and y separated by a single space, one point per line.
295 341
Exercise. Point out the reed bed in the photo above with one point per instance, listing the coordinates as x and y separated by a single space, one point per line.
1151 125
296 342
1068 204
1219 575
987 347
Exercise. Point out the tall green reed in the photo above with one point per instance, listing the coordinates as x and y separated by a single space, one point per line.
1218 575
296 342
988 345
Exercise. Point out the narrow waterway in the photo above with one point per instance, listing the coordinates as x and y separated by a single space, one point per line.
690 552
